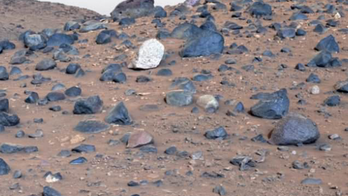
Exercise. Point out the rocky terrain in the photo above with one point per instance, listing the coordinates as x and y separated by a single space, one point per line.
204 98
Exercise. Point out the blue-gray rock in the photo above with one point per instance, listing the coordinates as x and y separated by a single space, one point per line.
32 98
120 78
260 9
183 83
164 72
48 191
34 41
9 120
218 133
133 8
2 128
179 98
46 64
4 167
220 190
61 56
311 181
127 21
328 44
299 16
208 25
295 129
91 126
110 72
204 44
78 161
72 68
272 105
323 59
3 73
105 36
319 28
92 26
342 86
244 162
286 33
186 31
12 149
55 96
7 45
19 57
71 25
171 150
58 39
84 148
300 32
69 49
119 115
159 12
73 91
332 101
91 105
4 105
313 78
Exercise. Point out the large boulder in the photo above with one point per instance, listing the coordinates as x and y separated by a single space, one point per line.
271 105
204 44
133 9
295 129
149 56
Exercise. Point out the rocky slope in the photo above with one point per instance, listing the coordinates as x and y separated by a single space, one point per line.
249 98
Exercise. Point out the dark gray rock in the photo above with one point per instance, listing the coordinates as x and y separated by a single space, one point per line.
45 65
9 120
311 181
15 71
12 149
204 44
220 190
332 101
19 57
72 68
183 83
60 55
127 21
3 73
4 105
34 41
171 150
48 191
55 96
91 105
7 45
342 86
91 126
32 98
119 115
71 25
84 148
272 105
179 98
286 33
4 167
218 133
328 44
133 8
58 39
243 162
159 12
73 91
105 36
92 26
260 9
295 129
313 78
186 31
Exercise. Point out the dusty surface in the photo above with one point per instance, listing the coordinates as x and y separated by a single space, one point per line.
20 15
110 169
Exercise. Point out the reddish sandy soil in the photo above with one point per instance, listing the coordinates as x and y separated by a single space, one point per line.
109 173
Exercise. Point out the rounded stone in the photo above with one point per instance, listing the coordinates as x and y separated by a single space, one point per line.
149 56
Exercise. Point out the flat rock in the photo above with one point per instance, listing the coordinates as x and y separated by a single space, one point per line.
149 55
139 139
311 181
84 148
13 149
179 98
342 86
295 129
119 115
91 126
46 64
48 191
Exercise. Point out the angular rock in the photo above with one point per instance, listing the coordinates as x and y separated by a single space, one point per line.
4 167
7 45
92 26
204 44
91 105
91 126
45 65
9 120
84 148
4 105
295 129
3 73
328 44
244 162
132 8
48 191
119 115
78 161
332 101
71 25
179 98
139 139
149 56
183 83
19 57
105 36
218 133
272 105
342 86
323 59
209 103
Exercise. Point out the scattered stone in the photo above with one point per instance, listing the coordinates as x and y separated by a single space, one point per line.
149 56
260 9
91 126
295 129
179 98
332 101
328 44
244 162
3 73
218 133
314 90
38 134
48 191
139 139
51 178
84 148
73 91
45 65
9 120
4 167
119 115
12 149
78 161
55 96
208 103
72 68
342 87
4 105
311 181
171 150
33 98
91 105
220 190
105 36
58 39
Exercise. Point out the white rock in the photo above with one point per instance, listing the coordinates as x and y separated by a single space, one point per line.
149 55
315 90
208 102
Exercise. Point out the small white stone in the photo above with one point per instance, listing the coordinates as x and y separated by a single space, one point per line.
314 90
149 55
208 102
